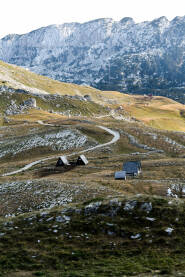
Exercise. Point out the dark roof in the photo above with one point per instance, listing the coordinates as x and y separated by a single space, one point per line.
120 175
132 166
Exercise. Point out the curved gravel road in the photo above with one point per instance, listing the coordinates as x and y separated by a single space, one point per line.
116 137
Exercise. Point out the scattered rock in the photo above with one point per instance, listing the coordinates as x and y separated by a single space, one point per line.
6 120
137 236
87 97
147 207
31 102
130 205
169 230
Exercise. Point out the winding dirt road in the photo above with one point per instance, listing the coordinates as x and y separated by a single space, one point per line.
116 137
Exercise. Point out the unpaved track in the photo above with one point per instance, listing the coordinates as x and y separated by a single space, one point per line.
116 137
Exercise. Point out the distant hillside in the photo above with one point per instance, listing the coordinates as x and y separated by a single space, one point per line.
147 57
20 78
56 98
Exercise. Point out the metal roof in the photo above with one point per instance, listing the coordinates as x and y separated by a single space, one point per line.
132 166
120 175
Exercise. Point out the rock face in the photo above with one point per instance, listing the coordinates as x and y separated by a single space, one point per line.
109 55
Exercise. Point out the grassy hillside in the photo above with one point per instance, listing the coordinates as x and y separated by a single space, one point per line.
119 237
79 220
17 77
48 107
157 112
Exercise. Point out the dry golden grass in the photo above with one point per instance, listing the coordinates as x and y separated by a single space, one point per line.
158 112
34 115
158 169
15 77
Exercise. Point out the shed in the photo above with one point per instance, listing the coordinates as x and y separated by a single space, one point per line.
82 160
62 160
120 175
132 168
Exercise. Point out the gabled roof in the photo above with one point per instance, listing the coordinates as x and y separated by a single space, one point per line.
82 160
62 160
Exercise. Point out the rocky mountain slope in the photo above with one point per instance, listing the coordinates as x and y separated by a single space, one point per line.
147 57
27 96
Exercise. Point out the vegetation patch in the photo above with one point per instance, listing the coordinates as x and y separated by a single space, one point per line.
118 237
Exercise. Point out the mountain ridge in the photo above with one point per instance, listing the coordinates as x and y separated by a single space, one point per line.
146 57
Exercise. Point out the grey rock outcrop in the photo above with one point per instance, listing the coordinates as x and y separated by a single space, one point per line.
31 102
87 97
16 108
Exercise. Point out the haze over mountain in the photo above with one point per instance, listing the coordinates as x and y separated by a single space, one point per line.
147 57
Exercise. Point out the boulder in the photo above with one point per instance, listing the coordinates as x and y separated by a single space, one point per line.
87 97
31 102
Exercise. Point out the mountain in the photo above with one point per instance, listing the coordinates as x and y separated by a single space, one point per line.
147 57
